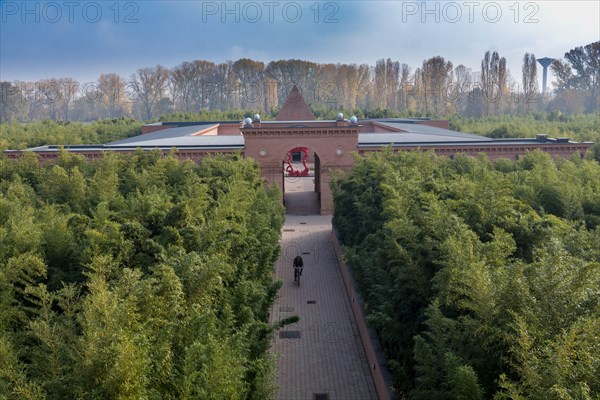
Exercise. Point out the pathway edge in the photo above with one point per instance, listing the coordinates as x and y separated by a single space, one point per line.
382 376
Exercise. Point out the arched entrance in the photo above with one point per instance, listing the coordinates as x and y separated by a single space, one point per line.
301 181
270 142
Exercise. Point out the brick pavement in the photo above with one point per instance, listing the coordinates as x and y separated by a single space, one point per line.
300 197
328 356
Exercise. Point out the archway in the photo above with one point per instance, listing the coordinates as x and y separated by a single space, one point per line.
301 183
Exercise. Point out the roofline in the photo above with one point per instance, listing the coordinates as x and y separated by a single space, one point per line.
472 143
192 123
125 148
410 120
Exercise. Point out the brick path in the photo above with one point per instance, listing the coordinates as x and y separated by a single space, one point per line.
300 198
328 357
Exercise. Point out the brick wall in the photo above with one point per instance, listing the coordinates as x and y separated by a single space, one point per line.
379 370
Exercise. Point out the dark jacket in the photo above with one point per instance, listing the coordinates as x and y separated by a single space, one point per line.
298 262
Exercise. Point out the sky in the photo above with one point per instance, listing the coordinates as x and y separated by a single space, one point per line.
82 39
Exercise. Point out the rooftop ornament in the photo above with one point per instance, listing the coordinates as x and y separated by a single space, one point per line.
353 119
340 117
247 123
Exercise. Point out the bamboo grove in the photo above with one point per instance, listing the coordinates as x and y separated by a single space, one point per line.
136 277
481 278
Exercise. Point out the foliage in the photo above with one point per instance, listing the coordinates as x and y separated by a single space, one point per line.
580 127
585 61
136 276
19 136
482 279
212 115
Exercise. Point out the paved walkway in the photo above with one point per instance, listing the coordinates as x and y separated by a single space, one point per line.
300 196
322 353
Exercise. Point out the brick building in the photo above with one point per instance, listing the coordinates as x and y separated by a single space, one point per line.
278 145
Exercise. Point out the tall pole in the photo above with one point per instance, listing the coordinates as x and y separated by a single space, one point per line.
545 62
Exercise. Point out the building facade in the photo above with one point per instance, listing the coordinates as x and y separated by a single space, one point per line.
329 145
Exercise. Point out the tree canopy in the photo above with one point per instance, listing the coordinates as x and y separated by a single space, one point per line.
137 276
481 278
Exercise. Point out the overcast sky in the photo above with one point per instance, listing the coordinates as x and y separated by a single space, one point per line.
81 39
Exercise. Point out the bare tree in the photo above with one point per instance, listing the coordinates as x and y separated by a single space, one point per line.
493 81
203 78
149 86
462 84
502 78
380 84
228 92
32 94
416 93
112 91
436 77
49 96
12 103
293 72
530 85
392 83
181 79
270 94
405 87
364 86
345 73
435 87
250 79
69 88
330 86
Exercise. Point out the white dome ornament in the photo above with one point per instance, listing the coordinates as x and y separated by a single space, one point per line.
340 117
256 118
247 123
353 119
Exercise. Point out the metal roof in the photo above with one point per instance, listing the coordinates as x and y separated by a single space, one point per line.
414 139
178 141
431 130
87 148
168 134
371 139
413 134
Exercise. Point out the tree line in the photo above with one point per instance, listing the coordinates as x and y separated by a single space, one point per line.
437 87
138 276
481 278
18 136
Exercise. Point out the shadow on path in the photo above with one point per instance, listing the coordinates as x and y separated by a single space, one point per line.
302 203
